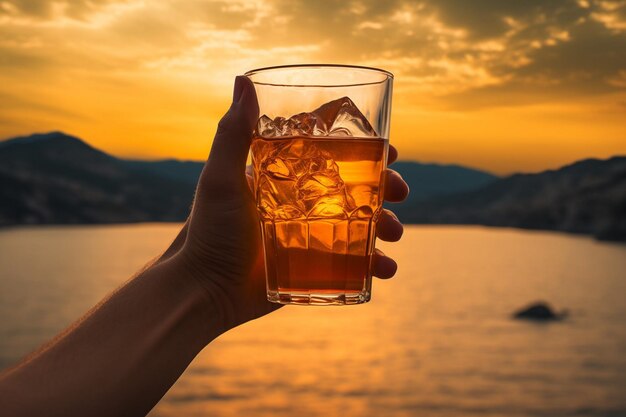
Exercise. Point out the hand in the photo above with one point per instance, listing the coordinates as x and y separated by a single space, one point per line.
220 244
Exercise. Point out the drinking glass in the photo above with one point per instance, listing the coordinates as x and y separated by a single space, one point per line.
319 154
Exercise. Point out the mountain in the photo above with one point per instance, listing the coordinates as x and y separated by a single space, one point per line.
587 197
56 178
186 171
434 180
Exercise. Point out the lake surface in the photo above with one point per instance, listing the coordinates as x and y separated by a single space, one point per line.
437 340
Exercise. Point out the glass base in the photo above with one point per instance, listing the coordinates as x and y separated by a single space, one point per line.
319 298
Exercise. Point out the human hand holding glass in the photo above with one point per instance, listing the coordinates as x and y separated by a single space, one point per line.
221 242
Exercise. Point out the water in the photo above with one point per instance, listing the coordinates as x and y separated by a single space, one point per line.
435 341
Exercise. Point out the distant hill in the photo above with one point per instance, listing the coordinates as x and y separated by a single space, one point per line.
434 180
55 178
588 197
186 171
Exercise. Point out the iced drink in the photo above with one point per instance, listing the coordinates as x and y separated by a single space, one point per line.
317 184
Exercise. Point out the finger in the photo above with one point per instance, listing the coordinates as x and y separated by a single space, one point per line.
392 156
383 266
389 227
396 190
229 152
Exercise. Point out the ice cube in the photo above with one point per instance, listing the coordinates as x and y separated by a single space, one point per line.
298 148
298 179
322 163
280 122
341 117
266 196
266 127
314 186
277 168
347 123
276 198
304 157
363 194
329 206
303 124
297 166
363 212
316 164
261 151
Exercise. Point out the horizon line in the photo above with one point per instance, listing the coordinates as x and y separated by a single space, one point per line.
421 162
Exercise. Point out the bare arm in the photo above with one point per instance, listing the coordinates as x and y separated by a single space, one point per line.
127 352
122 357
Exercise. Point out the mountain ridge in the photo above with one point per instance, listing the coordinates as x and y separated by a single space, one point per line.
59 179
586 197
55 178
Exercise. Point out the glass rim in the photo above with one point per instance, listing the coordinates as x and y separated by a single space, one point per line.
388 75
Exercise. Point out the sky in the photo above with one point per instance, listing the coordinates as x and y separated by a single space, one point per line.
505 86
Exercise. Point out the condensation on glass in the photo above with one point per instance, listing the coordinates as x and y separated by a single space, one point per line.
319 153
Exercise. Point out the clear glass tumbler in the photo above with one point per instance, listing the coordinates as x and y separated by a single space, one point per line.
319 153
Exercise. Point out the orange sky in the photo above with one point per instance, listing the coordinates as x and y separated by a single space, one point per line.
503 86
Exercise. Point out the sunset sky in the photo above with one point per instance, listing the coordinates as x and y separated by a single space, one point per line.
500 85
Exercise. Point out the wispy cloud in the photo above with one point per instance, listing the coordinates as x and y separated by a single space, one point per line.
466 45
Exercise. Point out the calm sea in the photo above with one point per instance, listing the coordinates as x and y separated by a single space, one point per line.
435 341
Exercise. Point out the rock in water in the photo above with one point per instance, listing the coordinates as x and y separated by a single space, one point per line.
539 311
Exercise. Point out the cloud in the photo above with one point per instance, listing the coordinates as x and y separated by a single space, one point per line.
47 9
445 53
21 104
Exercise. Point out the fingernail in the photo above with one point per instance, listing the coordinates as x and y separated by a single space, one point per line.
238 90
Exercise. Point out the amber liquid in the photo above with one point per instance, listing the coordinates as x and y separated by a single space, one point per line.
318 200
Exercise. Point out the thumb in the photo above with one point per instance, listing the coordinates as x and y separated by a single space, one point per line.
226 165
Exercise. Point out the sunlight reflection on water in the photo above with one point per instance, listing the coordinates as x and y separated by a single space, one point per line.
437 340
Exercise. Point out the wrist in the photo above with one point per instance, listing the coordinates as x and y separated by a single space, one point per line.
204 297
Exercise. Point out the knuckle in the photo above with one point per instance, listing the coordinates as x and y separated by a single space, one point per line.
232 125
224 125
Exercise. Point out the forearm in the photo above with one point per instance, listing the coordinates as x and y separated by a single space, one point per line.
123 356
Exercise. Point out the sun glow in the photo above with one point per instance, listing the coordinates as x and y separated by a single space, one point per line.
513 88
